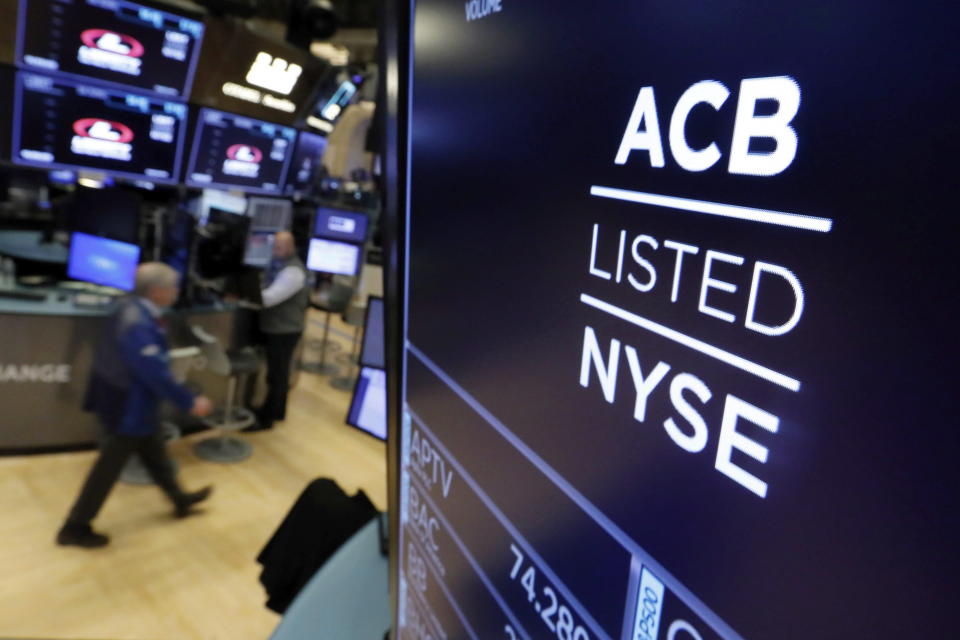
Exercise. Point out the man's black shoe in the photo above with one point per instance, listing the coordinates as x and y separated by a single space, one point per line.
81 535
185 504
258 426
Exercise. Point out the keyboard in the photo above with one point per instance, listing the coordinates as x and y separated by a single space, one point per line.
18 294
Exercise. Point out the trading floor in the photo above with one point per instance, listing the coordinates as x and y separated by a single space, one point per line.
165 578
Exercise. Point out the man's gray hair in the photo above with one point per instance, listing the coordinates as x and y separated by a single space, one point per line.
154 274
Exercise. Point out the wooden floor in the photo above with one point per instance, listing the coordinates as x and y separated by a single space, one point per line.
162 578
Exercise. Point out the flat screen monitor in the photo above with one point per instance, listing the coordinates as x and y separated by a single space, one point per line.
221 243
61 123
373 352
269 214
333 256
103 261
336 93
337 224
368 406
719 399
259 249
237 152
306 166
110 213
115 41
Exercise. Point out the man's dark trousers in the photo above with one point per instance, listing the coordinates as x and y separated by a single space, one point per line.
115 451
280 348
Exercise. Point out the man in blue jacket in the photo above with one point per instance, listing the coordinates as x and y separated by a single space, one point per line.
130 377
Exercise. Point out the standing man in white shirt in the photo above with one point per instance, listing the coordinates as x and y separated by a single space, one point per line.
282 320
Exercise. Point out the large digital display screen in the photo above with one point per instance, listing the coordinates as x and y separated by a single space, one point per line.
679 345
111 40
102 261
60 123
231 151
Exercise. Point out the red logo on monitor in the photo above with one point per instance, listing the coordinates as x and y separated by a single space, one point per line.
113 42
103 130
245 153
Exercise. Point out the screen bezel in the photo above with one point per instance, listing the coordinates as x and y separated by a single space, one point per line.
225 186
395 59
102 283
353 400
182 95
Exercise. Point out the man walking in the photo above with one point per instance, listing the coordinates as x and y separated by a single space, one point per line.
130 377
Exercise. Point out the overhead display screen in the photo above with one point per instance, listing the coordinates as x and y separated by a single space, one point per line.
231 151
60 123
245 71
678 351
111 40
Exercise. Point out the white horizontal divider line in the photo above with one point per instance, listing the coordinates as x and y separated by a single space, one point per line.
766 216
590 509
692 343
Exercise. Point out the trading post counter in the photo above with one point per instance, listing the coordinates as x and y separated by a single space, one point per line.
46 350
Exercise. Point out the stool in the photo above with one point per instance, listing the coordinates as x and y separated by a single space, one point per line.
355 317
235 366
337 301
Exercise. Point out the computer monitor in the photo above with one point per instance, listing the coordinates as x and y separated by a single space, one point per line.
221 243
259 249
305 169
368 406
110 213
103 261
332 256
269 214
59 123
236 152
337 224
373 352
119 42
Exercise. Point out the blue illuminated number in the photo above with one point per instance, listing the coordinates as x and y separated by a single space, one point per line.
516 565
649 613
581 634
528 581
510 632
565 624
547 614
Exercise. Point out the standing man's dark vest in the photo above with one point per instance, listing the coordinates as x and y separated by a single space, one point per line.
290 315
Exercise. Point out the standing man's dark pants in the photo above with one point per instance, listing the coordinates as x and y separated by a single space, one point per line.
115 450
280 348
